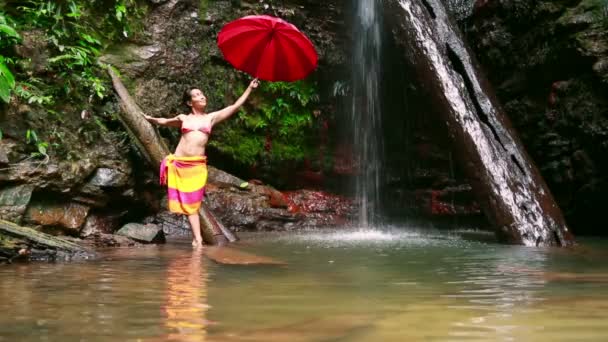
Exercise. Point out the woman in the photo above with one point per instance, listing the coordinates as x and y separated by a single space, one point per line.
185 171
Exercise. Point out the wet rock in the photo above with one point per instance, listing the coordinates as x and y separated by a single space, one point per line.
276 199
244 210
236 209
309 201
232 256
133 58
109 240
69 216
449 201
106 177
3 156
58 176
148 233
220 177
552 80
14 201
100 223
171 224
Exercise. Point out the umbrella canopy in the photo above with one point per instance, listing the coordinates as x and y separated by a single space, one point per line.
268 48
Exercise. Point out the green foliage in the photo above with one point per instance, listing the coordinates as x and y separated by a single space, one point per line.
279 130
31 138
76 31
63 40
32 92
8 37
7 81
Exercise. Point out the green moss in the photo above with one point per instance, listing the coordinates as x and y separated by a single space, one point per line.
7 242
276 127
203 6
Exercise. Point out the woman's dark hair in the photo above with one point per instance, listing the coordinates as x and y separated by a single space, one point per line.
187 97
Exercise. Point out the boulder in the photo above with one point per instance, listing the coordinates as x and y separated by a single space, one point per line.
70 216
107 177
14 201
146 233
98 223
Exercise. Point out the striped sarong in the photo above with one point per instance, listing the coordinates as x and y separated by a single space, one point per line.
185 178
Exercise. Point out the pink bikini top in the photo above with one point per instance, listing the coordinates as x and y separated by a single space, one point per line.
204 129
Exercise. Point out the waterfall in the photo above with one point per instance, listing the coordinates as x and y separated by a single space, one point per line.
365 108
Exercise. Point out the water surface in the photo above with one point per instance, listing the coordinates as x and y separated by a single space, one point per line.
360 285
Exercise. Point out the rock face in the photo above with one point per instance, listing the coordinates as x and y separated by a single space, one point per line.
14 201
88 168
513 195
257 210
179 48
548 61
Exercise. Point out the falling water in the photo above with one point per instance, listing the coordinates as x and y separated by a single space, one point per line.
365 108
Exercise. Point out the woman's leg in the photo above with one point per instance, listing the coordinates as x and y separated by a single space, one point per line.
195 224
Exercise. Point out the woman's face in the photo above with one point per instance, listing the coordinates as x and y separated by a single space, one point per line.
198 100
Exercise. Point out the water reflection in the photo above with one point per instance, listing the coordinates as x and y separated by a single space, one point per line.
186 298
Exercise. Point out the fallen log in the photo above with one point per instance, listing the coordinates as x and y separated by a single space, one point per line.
507 184
18 242
151 146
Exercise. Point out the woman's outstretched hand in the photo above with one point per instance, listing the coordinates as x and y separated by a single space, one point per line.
150 119
254 83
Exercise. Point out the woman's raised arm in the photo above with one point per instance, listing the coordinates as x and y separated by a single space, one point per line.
173 122
225 113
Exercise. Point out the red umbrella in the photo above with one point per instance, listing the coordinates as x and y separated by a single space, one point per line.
268 48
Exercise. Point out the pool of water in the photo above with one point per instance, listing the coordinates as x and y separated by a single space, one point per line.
393 284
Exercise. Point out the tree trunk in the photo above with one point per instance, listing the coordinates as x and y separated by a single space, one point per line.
507 184
151 146
27 243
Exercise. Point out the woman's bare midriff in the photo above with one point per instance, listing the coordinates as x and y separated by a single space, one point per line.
192 144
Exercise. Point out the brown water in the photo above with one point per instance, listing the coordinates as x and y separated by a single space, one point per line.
391 285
